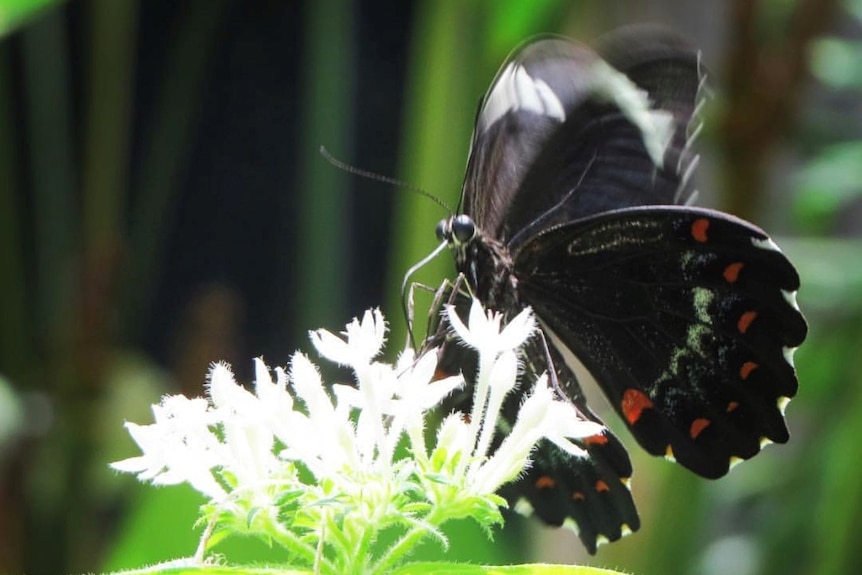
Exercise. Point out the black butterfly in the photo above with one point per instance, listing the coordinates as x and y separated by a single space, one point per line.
573 204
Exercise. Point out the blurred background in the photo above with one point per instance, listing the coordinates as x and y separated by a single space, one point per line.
163 204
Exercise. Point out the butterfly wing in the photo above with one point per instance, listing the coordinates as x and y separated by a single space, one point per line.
685 317
589 494
563 132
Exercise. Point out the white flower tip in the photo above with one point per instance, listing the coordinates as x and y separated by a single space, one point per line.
520 328
303 370
219 369
484 332
330 346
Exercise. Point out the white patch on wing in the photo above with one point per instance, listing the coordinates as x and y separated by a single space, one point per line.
516 90
790 298
788 354
766 244
657 126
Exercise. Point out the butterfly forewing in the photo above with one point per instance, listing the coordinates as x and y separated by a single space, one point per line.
551 143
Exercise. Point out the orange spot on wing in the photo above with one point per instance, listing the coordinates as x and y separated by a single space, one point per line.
746 369
597 439
731 272
602 486
745 321
732 406
441 374
698 229
633 404
697 427
545 482
578 496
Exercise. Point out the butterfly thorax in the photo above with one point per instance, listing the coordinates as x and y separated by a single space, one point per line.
487 265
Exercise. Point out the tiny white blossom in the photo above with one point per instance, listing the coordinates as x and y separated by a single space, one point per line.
179 447
325 439
365 340
484 334
417 394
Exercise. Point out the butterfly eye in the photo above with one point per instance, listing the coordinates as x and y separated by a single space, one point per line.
463 228
442 230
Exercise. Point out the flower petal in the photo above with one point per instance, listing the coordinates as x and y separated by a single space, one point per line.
331 346
518 330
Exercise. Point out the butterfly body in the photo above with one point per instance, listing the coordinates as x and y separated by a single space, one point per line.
573 204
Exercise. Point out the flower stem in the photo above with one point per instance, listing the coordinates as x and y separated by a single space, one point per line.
308 553
480 398
404 545
201 551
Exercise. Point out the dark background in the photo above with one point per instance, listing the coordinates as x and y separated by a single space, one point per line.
164 205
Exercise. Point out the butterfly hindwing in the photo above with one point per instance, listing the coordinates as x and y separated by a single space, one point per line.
685 317
589 494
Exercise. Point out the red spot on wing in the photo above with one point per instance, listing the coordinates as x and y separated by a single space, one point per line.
731 272
698 229
745 321
602 486
732 406
697 427
597 439
545 482
633 404
746 369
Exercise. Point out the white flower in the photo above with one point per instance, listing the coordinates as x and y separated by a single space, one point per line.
541 416
248 434
484 334
179 447
417 393
330 452
365 339
324 440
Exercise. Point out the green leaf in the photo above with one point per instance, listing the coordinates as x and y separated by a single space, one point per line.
414 569
533 569
14 13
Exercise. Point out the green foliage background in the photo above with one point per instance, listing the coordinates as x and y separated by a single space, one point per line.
785 143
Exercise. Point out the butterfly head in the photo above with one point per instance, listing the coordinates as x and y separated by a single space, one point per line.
457 231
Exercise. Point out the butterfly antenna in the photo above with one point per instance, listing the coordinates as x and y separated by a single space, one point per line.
381 178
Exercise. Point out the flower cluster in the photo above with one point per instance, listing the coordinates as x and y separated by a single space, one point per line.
321 470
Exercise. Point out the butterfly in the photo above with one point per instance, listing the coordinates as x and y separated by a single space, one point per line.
576 203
